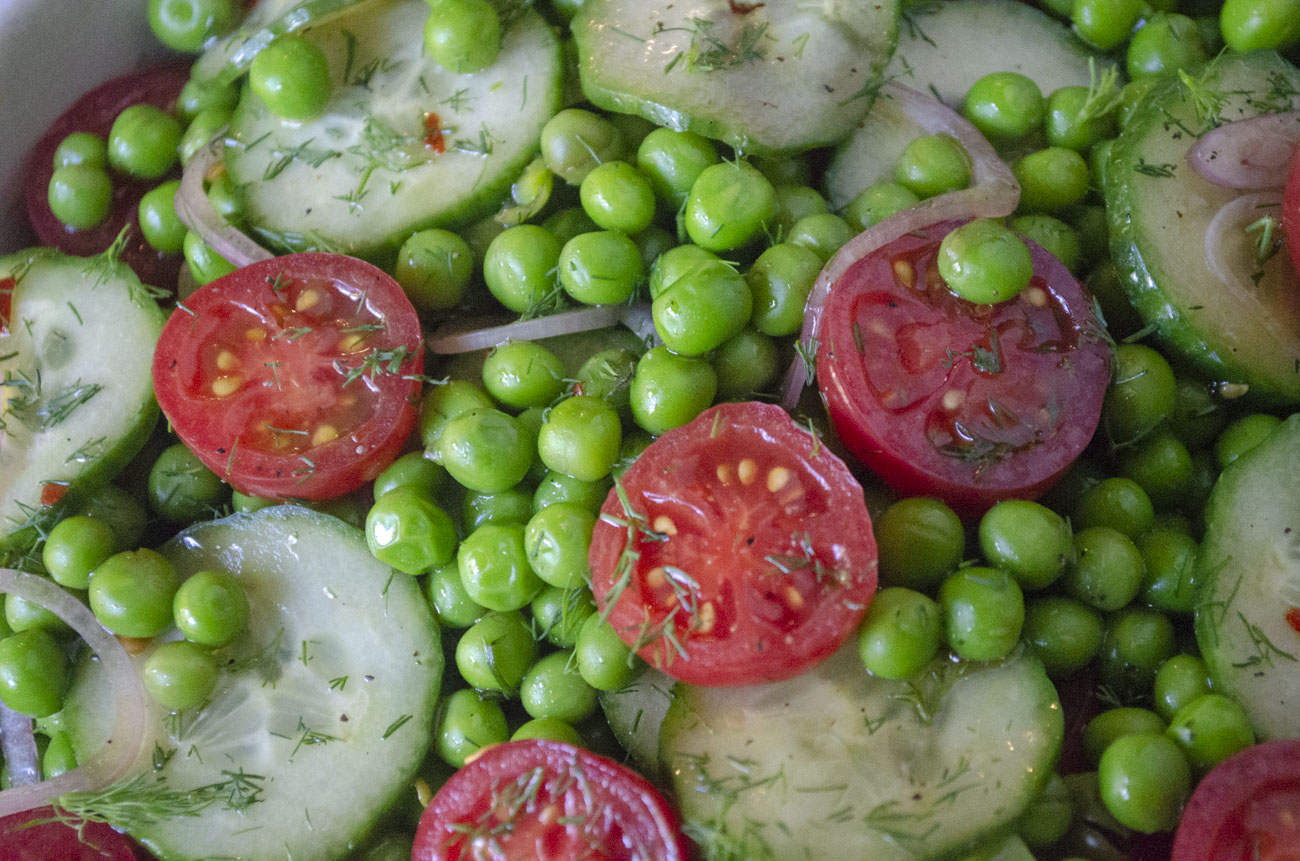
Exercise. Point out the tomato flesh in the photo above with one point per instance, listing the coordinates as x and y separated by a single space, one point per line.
1246 809
37 835
293 377
549 801
94 112
1291 210
971 403
748 555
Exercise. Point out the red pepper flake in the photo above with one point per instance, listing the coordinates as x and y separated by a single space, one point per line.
7 286
52 492
743 8
433 133
1293 619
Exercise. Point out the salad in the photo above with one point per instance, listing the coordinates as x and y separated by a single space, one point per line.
575 429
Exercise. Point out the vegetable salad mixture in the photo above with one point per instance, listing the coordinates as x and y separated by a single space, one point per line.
631 429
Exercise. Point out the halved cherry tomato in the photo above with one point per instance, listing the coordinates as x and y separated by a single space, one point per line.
548 800
1291 210
736 549
970 403
21 840
295 377
94 112
1246 809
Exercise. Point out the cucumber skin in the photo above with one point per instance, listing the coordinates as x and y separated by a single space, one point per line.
1246 534
1175 330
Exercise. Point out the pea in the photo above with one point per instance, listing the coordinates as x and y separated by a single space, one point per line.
552 729
1072 123
1005 106
1104 284
1138 640
1057 238
1048 816
450 600
676 263
468 722
1105 24
745 365
180 675
1064 633
119 509
600 268
557 487
984 262
1197 417
494 567
1118 503
131 593
74 547
412 470
574 141
1168 44
877 202
669 390
568 223
486 450
434 268
1161 466
1248 25
1051 179
522 374
33 673
608 375
80 196
983 612
161 226
23 615
920 541
652 242
557 539
779 282
444 403
822 234
198 96
182 488
519 266
900 634
1112 724
1106 571
580 438
728 206
514 505
1141 396
202 129
604 660
702 309
785 170
933 164
553 688
559 614
617 196
794 202
210 608
59 757
1131 96
1144 780
1210 729
1028 540
406 530
463 36
496 652
1169 556
81 148
186 25
292 78
1242 435
1179 680
205 265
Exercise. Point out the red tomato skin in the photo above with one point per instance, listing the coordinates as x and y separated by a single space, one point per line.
336 466
768 634
893 443
54 840
629 805
94 112
1291 210
1246 809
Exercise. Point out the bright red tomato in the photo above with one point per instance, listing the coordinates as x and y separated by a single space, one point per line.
970 403
1246 809
548 801
295 377
94 112
1291 210
739 551
22 841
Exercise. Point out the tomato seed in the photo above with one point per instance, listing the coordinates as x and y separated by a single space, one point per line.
778 478
747 471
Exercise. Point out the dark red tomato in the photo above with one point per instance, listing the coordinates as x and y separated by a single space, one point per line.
22 841
1246 809
547 801
295 377
94 112
1291 210
942 397
740 549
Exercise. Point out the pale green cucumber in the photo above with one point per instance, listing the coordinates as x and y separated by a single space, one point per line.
869 155
1248 581
839 764
76 390
323 711
1159 210
944 47
635 712
780 76
368 172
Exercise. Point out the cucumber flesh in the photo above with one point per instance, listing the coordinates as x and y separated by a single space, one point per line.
76 390
1159 210
870 153
839 764
635 713
328 698
937 54
783 76
1248 580
367 173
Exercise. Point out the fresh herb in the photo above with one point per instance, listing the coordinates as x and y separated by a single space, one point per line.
396 725
1160 171
146 798
376 362
709 52
1207 102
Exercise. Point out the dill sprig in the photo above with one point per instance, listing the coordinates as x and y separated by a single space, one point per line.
147 797
1103 92
709 52
1207 102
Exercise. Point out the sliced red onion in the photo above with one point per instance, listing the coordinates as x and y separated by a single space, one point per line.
466 337
198 214
993 193
1230 252
19 746
1250 153
112 761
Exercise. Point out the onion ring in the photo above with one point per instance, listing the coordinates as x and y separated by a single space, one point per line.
1253 153
476 335
197 213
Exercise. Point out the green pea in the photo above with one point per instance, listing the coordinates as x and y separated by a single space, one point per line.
652 242
780 281
785 170
984 262
1064 633
1005 106
552 729
74 547
180 675
519 266
1104 284
80 196
554 688
205 265
1210 729
673 160
83 149
59 757
1051 179
434 268
1198 417
567 223
131 593
556 487
1112 724
702 309
1072 123
463 36
900 634
794 202
292 78
1168 44
1048 816
23 615
225 198
1169 556
514 505
444 403
201 130
608 375
617 196
494 567
33 673
574 141
676 263
1119 503
523 374
1179 680
983 612
407 531
1242 435
143 141
933 164
119 509
669 390
1249 25
601 268
486 450
921 541
1105 24
877 202
1138 640
559 614
1028 540
187 25
822 234
1144 781
198 96
496 652
557 539
580 438
1131 96
1057 238
729 205
450 600
468 722
1141 396
1106 571
210 608
1088 222
412 470
161 226
604 660
1161 466
745 365
182 488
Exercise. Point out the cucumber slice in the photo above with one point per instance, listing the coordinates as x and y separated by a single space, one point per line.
76 390
1159 210
936 54
1248 580
870 153
363 176
635 713
783 76
230 56
839 764
322 714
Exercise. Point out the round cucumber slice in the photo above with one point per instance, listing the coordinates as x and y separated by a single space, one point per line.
1248 584
67 416
839 764
767 78
323 711
403 144
1159 210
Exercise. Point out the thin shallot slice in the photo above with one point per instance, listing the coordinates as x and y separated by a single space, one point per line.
466 337
198 214
1252 153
